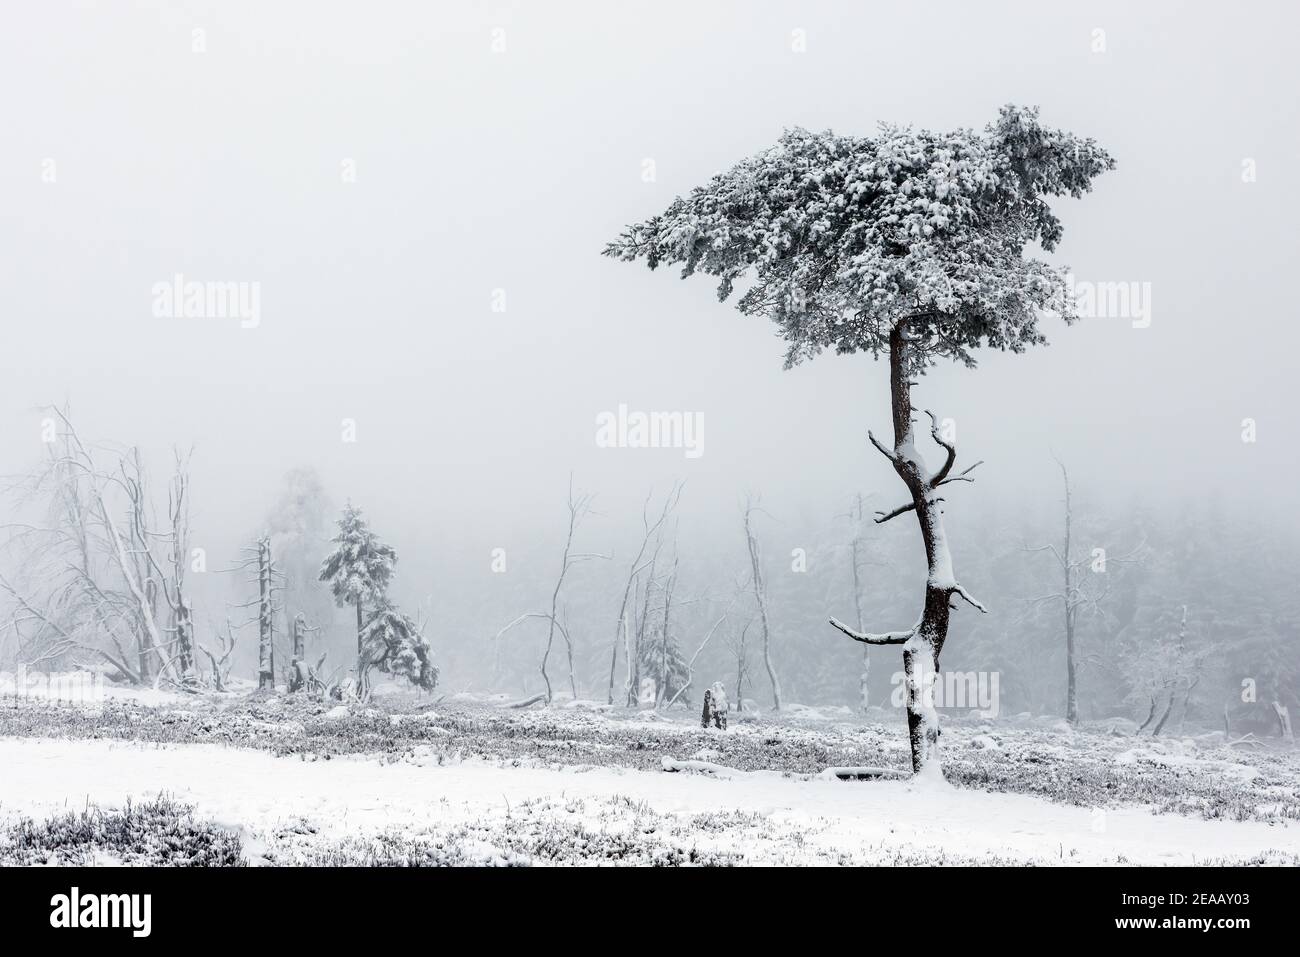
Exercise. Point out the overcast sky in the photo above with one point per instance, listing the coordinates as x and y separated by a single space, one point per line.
477 170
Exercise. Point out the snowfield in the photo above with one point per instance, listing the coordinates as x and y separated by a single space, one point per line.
469 782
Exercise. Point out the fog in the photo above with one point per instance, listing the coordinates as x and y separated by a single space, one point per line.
391 181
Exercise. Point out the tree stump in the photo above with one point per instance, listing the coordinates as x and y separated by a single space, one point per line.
715 707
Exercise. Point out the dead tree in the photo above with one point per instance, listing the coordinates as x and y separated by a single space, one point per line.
760 598
579 506
1172 670
690 665
739 648
265 578
220 665
858 552
109 583
170 581
265 633
651 531
1283 715
123 546
1075 595
298 671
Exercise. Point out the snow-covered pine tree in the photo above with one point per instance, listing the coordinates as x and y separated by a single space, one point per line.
359 568
911 245
664 663
394 643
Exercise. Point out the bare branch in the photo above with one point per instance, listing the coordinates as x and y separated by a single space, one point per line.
888 638
938 478
884 450
959 590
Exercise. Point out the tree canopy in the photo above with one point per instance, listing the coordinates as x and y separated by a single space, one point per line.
841 237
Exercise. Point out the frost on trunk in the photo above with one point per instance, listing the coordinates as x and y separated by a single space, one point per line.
864 682
266 642
715 707
923 642
299 672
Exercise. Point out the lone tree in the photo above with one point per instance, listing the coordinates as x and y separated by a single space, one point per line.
909 245
359 568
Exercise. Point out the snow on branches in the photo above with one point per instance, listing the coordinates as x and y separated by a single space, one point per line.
844 235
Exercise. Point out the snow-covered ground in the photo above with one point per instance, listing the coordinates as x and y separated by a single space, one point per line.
326 784
293 809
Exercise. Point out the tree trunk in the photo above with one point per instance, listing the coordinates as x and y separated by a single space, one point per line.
760 596
266 647
1071 671
634 660
923 642
298 667
185 642
921 651
864 680
864 683
359 627
1283 716
1164 717
661 692
921 669
1071 609
1151 716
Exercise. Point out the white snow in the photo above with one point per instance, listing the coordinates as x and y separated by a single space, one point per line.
259 793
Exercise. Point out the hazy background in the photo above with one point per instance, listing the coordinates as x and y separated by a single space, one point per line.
478 171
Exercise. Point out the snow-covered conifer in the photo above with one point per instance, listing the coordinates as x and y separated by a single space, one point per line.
359 568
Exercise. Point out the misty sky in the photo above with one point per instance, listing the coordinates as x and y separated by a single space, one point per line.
477 171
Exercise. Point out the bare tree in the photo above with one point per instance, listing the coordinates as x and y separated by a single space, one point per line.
298 671
859 558
760 598
101 507
579 506
651 530
220 665
1166 668
1076 594
263 576
265 619
739 648
690 665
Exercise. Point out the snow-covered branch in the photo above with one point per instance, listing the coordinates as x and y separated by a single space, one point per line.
887 638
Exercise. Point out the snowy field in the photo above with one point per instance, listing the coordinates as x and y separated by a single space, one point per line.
153 778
